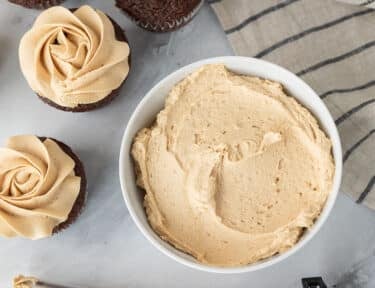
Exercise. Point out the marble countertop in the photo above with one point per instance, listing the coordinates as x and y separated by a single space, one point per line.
104 248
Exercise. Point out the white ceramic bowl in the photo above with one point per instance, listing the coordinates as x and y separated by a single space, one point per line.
153 102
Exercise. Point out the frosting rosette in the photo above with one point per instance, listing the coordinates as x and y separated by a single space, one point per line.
73 58
38 187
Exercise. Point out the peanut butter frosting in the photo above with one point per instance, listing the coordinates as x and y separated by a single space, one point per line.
73 58
38 187
234 169
25 282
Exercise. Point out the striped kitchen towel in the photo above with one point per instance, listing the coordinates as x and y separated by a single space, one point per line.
366 3
331 45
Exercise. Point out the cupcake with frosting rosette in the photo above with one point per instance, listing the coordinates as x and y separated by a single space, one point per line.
37 4
75 60
42 187
160 15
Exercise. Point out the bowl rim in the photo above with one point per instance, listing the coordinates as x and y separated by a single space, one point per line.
331 130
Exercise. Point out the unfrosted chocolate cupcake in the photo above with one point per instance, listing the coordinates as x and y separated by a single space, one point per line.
160 15
43 187
78 69
37 4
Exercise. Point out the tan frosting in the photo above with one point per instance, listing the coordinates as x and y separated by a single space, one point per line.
25 282
38 187
73 58
234 169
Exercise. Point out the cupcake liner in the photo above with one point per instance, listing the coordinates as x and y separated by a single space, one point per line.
37 4
159 26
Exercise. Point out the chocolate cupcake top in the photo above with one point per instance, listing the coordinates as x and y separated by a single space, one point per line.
73 58
38 187
160 15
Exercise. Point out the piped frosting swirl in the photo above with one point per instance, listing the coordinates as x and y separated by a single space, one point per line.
38 187
73 58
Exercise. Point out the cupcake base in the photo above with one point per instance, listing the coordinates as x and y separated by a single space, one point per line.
85 107
120 36
159 19
37 4
81 198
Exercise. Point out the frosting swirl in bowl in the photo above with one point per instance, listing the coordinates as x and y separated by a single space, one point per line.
235 170
73 58
38 187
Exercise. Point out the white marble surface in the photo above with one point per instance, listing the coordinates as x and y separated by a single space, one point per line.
104 248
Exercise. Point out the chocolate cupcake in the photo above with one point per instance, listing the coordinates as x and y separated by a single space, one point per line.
42 187
75 60
37 4
160 15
